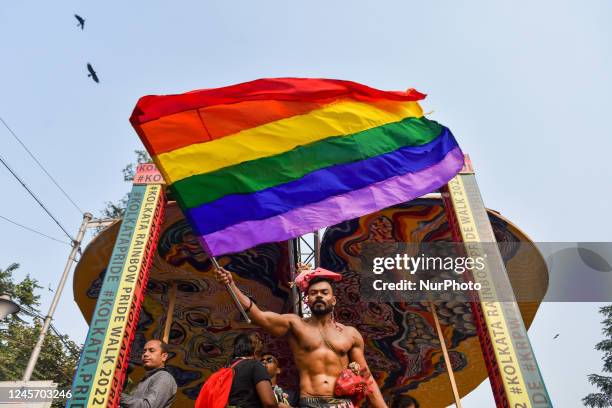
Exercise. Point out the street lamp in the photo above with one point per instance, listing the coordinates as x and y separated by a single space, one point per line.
88 222
7 306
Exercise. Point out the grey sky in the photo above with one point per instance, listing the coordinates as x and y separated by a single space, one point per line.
523 85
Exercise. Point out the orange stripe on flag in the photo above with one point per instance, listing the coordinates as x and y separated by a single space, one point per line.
170 132
182 129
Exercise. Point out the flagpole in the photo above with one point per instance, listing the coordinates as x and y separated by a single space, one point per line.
231 292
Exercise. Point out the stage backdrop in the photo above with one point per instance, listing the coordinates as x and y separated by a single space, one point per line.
401 342
402 346
205 319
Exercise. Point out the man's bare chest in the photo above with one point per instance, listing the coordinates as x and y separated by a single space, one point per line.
309 338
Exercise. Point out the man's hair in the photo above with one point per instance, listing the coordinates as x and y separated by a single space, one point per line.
402 401
271 355
320 279
163 345
243 345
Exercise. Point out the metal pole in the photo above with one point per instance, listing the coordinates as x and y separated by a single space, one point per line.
298 247
232 293
297 300
317 249
76 244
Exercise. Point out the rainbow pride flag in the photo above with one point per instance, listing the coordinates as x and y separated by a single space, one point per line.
272 159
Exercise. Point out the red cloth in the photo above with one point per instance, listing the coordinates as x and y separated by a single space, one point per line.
215 391
353 385
306 276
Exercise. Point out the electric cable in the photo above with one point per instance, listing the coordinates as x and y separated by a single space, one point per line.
35 198
33 230
41 166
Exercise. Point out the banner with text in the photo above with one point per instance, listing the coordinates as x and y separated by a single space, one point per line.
513 369
101 370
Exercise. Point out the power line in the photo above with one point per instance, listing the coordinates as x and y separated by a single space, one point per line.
33 230
30 311
36 198
41 166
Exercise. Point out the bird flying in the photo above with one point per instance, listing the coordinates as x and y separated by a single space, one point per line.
81 21
92 73
556 335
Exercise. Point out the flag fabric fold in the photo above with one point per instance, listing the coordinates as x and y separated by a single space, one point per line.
272 159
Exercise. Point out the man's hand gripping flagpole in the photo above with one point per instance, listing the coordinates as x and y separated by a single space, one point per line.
231 292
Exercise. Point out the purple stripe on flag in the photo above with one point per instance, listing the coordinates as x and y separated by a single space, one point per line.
394 190
319 185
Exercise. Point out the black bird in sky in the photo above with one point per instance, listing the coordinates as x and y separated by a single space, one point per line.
556 335
81 21
92 73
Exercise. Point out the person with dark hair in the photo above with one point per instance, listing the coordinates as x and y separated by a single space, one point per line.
251 387
271 364
325 351
157 389
404 401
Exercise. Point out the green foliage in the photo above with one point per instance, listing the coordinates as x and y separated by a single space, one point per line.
59 355
603 399
129 171
22 292
116 209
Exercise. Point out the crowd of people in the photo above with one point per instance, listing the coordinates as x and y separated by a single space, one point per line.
329 357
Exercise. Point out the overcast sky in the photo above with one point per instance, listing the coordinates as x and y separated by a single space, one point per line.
524 86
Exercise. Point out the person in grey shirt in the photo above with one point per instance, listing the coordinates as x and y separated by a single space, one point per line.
157 388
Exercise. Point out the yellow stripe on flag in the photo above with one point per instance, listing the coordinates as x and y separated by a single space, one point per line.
338 119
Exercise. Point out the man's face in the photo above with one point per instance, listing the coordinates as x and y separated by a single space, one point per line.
321 299
271 364
152 356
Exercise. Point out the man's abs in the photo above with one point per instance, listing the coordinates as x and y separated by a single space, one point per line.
319 368
319 385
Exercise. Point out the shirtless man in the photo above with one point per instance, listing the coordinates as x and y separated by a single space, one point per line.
319 366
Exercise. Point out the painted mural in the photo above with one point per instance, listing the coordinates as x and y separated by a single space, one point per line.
401 343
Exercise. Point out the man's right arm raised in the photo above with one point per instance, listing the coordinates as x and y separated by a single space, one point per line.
276 324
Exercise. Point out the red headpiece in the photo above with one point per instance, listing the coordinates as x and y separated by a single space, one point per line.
304 278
